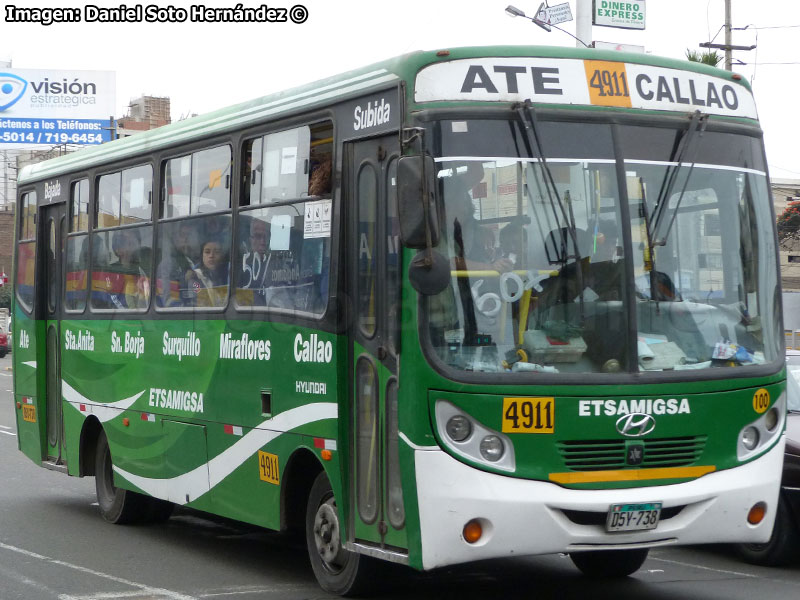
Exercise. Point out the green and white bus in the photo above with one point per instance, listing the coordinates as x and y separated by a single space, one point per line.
458 305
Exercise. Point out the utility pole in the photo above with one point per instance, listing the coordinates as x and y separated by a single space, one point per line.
583 23
728 40
728 45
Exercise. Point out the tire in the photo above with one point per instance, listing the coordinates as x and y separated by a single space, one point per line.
337 570
158 511
783 546
609 563
117 506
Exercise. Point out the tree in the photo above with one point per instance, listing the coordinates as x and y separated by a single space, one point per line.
709 57
5 296
789 222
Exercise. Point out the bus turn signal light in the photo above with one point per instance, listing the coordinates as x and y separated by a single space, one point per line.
757 513
473 531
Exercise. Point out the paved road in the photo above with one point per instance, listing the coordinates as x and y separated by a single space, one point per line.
54 545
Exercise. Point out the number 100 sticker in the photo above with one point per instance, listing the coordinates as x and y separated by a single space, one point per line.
608 83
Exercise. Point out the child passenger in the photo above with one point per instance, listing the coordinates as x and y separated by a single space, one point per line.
210 277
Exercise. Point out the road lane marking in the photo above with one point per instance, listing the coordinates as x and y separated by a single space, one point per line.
251 589
11 433
42 590
4 427
683 564
144 589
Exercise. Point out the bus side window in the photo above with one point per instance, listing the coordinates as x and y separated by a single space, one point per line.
122 258
26 251
77 248
194 262
280 265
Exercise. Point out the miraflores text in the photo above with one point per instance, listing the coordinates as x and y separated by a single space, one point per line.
153 13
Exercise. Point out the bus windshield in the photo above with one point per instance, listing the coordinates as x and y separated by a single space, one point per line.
552 273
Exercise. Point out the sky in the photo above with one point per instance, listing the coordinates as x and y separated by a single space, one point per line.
205 66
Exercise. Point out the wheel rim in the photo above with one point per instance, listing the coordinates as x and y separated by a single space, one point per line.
327 538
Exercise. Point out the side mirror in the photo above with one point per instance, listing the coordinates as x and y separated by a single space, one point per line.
416 199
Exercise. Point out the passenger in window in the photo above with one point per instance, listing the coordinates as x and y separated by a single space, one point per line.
210 278
216 227
129 287
320 182
252 278
473 244
178 259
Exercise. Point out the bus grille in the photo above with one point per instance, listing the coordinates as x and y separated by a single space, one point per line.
598 455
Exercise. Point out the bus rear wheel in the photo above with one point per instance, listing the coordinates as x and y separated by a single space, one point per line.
337 570
120 506
609 563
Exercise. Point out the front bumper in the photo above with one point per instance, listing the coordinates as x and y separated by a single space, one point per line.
523 517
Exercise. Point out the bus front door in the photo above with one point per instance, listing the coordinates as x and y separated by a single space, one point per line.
54 220
377 514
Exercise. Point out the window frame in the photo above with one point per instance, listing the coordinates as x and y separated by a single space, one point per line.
76 234
165 196
172 221
26 238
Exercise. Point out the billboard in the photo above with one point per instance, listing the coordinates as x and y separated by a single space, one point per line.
626 15
43 108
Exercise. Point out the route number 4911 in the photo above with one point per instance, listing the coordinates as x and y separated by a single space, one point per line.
528 415
608 83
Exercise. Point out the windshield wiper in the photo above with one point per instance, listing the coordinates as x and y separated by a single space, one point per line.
652 222
689 142
535 147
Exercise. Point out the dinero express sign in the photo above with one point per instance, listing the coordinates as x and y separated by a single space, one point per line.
625 15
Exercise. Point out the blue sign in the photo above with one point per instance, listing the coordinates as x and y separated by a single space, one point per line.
53 131
42 108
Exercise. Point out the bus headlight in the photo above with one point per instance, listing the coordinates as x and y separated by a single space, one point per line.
756 437
465 436
458 428
750 437
771 419
491 448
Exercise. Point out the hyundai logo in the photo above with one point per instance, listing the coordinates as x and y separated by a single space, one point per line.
636 424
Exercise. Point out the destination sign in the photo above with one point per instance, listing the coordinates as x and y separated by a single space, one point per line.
583 82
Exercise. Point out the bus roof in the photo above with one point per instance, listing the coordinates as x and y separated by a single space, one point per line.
346 85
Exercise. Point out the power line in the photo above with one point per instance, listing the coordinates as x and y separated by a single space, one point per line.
766 27
784 169
772 63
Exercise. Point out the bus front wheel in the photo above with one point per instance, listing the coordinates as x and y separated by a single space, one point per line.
117 506
783 545
609 563
337 570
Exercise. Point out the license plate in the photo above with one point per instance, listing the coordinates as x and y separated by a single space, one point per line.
29 413
633 517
